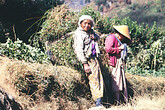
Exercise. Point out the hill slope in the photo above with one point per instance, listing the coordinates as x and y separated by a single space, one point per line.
145 11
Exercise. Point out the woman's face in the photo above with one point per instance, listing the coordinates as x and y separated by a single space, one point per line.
122 38
86 25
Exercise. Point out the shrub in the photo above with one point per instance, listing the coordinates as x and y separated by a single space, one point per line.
64 54
149 61
23 14
99 2
21 51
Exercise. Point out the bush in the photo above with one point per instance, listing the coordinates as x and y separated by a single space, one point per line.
149 61
23 14
99 2
21 51
64 54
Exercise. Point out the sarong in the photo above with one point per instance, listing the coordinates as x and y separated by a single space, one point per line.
118 79
95 79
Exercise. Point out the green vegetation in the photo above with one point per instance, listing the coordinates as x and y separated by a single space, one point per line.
64 54
21 14
100 2
146 54
66 85
21 51
146 11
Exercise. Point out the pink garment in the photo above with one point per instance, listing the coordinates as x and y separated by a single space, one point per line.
116 66
111 47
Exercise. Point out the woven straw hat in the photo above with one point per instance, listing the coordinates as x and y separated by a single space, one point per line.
123 29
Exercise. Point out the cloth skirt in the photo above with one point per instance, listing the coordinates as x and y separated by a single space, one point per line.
118 79
95 79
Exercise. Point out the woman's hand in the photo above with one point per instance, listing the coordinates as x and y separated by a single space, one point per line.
92 37
103 35
121 47
87 68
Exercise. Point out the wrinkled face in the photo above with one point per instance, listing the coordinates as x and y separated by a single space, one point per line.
86 25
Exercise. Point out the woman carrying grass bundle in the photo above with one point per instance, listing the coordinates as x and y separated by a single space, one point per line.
87 51
116 54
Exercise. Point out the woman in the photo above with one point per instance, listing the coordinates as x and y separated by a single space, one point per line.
113 49
87 51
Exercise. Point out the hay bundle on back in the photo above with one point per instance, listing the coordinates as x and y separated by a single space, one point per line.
59 21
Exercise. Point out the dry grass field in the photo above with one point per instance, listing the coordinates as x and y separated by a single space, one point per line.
148 92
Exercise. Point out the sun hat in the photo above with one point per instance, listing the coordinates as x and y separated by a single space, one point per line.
123 29
83 17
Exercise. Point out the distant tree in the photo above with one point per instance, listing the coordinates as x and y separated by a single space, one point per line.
101 8
87 1
127 1
162 4
99 2
22 14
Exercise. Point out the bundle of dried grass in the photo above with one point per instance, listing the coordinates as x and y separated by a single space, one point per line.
59 21
35 83
41 86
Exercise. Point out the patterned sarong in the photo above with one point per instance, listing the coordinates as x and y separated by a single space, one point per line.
95 79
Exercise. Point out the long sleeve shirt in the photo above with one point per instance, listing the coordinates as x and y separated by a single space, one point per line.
83 45
112 49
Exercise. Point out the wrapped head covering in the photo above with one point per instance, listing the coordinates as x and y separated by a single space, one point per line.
83 17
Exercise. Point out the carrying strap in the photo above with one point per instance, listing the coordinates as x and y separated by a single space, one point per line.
115 37
124 51
118 40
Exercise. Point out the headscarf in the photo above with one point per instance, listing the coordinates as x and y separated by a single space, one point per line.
83 17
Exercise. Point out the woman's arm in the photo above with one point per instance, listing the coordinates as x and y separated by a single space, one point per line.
110 45
79 44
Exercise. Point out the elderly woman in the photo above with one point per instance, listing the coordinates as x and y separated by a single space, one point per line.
87 51
116 63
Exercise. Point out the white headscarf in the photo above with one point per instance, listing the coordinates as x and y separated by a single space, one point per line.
83 17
